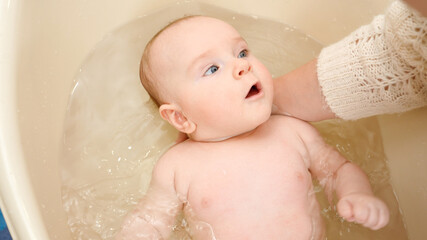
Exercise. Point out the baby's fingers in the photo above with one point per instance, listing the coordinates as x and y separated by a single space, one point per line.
383 217
369 212
378 215
345 210
363 213
372 218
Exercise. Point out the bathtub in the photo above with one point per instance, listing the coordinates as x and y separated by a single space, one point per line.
44 42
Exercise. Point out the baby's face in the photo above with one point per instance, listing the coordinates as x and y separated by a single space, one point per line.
207 69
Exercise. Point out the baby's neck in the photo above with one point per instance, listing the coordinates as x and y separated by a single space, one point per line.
220 139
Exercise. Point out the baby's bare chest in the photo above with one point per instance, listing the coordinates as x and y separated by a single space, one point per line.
268 180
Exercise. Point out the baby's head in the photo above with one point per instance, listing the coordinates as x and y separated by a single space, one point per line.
205 80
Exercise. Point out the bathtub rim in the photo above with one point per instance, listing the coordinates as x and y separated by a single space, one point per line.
19 208
7 69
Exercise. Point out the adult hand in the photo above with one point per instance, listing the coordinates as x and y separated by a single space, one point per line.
298 94
419 5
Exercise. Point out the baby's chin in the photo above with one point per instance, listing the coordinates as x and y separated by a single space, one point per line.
239 130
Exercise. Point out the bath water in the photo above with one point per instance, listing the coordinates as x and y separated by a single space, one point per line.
113 134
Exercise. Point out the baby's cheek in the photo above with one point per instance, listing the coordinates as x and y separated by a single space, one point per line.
262 71
213 114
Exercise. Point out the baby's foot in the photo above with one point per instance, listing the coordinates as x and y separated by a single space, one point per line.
365 209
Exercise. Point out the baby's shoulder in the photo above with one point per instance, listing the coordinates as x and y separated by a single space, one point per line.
181 153
169 161
176 152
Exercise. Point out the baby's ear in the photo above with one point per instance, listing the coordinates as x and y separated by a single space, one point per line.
172 114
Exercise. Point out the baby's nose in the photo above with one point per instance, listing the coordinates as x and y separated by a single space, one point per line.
241 68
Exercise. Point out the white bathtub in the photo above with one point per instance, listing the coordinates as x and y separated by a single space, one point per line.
42 44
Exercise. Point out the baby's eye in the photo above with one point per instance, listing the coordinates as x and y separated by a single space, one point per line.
243 53
211 70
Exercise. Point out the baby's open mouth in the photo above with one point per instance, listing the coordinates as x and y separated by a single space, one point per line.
255 89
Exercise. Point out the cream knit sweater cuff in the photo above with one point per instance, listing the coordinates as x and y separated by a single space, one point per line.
379 68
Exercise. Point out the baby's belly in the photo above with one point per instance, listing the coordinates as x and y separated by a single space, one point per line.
261 223
255 210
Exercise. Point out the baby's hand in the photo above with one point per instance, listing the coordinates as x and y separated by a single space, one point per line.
365 209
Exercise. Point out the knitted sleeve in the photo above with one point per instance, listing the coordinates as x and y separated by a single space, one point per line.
379 68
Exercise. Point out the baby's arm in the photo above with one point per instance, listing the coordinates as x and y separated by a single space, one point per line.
356 201
154 216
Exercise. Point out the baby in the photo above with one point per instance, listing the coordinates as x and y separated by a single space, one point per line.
242 174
